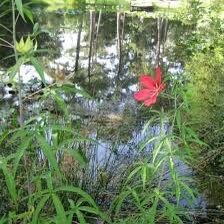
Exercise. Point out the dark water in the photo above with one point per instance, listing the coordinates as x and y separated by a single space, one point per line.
104 53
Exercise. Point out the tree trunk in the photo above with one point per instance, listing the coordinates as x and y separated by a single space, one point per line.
92 31
165 32
159 25
78 44
97 33
120 37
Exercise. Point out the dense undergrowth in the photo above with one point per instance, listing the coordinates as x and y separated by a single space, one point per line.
203 51
45 175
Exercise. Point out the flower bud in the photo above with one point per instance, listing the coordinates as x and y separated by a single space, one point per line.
25 47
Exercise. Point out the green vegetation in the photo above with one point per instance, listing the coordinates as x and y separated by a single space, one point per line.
204 51
49 164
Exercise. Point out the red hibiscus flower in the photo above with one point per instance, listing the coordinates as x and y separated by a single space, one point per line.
151 88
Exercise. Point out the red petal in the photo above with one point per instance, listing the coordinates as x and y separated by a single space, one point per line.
143 94
162 87
150 101
147 81
158 75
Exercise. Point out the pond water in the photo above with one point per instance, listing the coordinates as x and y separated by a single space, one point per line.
104 52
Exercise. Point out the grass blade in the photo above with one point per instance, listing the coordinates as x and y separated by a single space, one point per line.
39 207
9 179
80 192
49 153
61 216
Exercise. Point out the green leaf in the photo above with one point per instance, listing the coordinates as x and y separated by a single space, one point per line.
35 27
48 178
80 217
152 211
19 133
38 68
39 207
76 136
156 151
9 179
133 172
117 203
20 152
3 2
12 71
3 220
149 123
61 216
19 6
89 210
4 135
60 102
94 211
144 175
49 153
24 215
190 191
148 141
178 120
170 210
80 192
136 198
28 13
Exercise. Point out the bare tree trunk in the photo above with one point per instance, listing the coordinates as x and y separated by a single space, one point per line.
165 32
92 31
122 32
97 32
159 25
78 45
120 38
119 42
166 27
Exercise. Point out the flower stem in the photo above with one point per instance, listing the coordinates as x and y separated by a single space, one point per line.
16 59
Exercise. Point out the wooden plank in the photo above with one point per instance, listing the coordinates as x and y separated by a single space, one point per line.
167 3
156 3
141 3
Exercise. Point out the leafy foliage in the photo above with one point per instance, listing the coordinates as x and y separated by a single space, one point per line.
205 73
